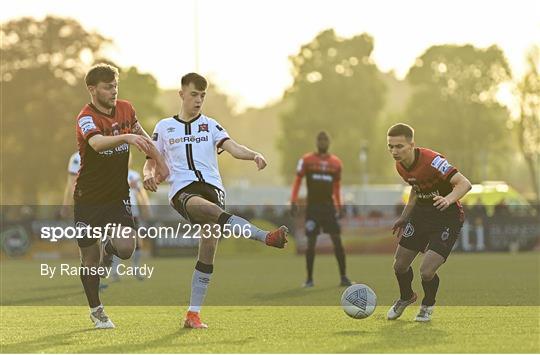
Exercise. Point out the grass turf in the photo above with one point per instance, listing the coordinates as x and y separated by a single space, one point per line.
317 329
487 303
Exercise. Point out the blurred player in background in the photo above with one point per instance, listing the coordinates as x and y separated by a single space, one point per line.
105 129
190 142
323 175
74 165
431 221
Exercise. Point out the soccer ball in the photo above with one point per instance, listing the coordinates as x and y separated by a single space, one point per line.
359 301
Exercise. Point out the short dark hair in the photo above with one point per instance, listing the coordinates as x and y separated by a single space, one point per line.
323 134
101 73
198 80
401 129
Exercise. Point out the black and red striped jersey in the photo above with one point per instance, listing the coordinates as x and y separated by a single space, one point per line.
429 175
103 176
323 177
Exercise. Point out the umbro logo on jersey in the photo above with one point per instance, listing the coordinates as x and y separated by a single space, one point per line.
189 139
203 127
171 129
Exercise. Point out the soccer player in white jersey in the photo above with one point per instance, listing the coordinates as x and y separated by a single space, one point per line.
190 142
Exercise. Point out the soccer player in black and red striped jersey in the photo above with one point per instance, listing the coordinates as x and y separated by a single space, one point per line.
323 177
431 221
106 128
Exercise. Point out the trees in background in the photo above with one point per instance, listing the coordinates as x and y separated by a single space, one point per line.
337 88
454 107
43 67
528 125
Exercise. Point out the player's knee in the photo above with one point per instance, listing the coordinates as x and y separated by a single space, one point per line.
206 213
125 253
400 267
427 273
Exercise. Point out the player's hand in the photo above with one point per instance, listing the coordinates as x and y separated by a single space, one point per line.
260 161
150 183
340 213
161 174
441 203
294 209
140 142
397 228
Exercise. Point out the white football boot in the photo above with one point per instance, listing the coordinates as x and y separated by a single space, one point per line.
100 319
424 314
399 306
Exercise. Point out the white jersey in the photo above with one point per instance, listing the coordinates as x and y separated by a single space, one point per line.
134 181
190 150
74 164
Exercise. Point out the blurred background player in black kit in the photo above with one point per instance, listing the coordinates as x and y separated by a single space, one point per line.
323 176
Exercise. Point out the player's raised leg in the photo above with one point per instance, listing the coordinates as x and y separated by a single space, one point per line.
203 211
90 256
430 283
404 274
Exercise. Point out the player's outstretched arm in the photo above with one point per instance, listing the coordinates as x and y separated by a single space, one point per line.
244 153
153 153
461 185
149 181
101 143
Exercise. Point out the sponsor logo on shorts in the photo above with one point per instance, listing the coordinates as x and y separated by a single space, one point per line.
310 225
127 204
445 234
408 231
82 227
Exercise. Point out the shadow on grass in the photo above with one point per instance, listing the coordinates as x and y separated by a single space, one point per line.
39 301
394 336
41 344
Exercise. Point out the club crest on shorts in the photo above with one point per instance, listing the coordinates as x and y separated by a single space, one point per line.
408 231
127 204
310 225
445 234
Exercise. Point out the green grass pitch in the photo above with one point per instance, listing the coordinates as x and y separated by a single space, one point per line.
487 303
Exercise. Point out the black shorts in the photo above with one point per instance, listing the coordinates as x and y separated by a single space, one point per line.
321 218
99 215
201 189
421 234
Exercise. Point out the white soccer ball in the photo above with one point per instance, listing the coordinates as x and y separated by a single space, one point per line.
359 301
